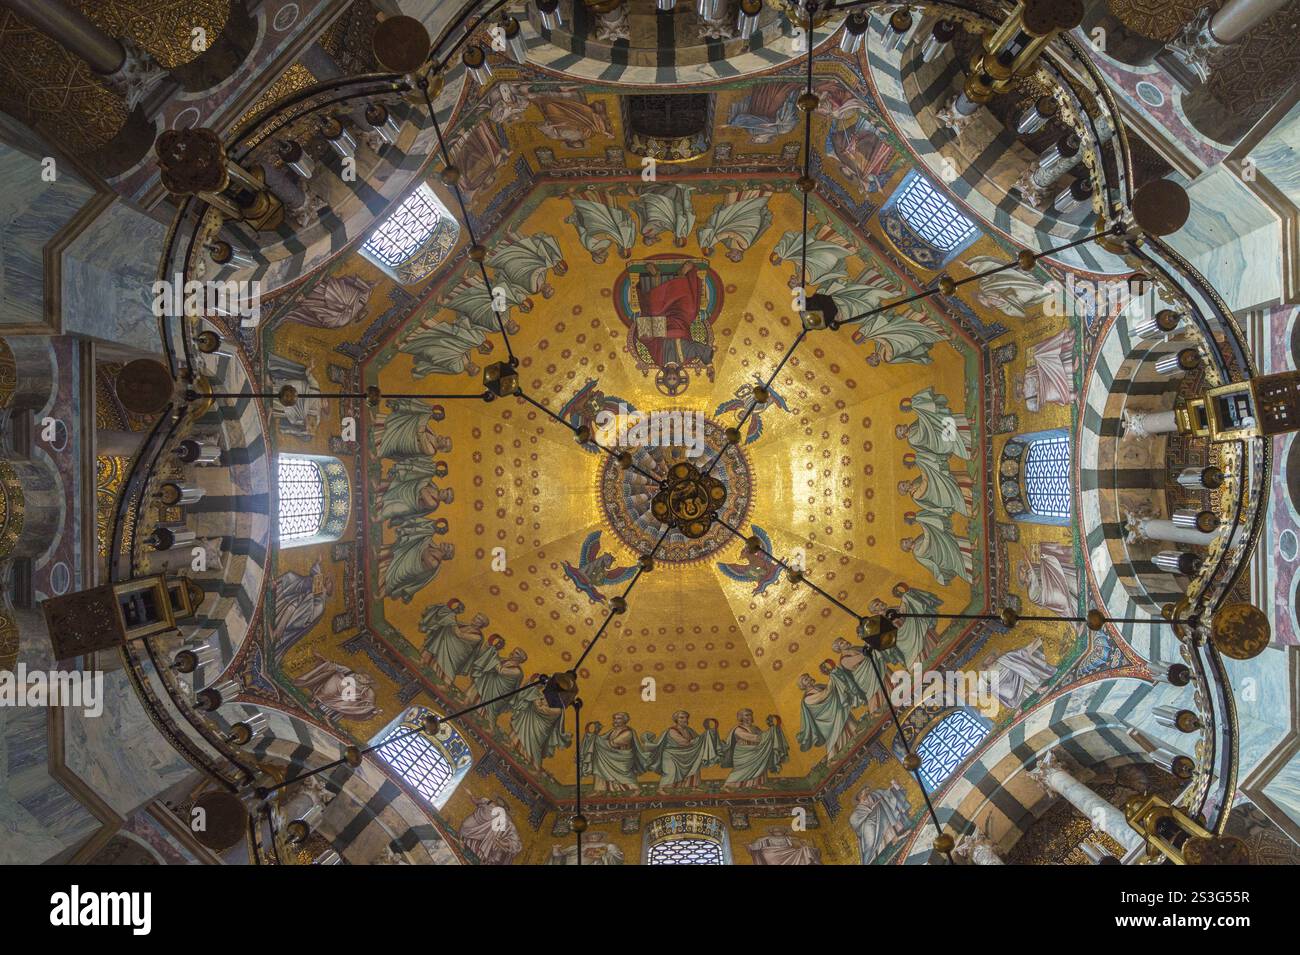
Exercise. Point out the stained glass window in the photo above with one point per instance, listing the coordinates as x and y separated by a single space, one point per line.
1047 476
404 233
945 748
302 497
686 851
933 217
432 766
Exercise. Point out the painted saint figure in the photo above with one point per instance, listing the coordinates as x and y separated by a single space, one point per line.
753 754
827 251
665 208
536 728
601 226
407 430
1019 673
411 489
1049 372
736 223
937 548
339 692
524 261
299 604
490 833
825 715
450 645
412 560
680 753
471 301
443 348
1011 291
614 758
938 487
1051 581
493 675
879 819
334 301
668 304
937 429
778 847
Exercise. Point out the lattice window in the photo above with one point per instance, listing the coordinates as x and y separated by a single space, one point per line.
432 766
933 217
404 233
686 851
302 497
1047 476
946 747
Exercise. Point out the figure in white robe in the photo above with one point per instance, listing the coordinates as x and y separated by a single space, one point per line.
900 337
490 833
680 753
536 727
450 644
407 430
1052 581
736 223
596 850
615 758
412 560
937 429
601 226
332 302
1013 292
525 260
1018 674
778 847
411 489
493 675
1049 372
299 604
339 692
302 418
827 251
443 348
937 548
665 207
472 302
753 754
880 817
938 487
854 663
825 715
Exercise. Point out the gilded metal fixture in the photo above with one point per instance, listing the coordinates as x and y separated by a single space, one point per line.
688 500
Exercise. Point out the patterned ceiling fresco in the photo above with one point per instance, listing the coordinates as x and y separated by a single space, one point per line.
876 456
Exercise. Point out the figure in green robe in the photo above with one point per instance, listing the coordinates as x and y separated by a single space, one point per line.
450 645
411 489
937 487
524 261
937 548
407 430
443 348
826 254
752 754
680 753
736 223
900 337
601 225
472 302
536 728
825 716
494 675
665 207
937 429
916 637
411 561
614 759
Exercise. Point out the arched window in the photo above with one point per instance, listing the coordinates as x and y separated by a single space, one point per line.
687 838
313 498
932 216
432 765
945 747
1047 476
415 239
1034 477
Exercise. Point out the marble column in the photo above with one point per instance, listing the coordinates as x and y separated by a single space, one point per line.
1103 816
1205 34
1157 529
31 501
977 847
127 68
1144 424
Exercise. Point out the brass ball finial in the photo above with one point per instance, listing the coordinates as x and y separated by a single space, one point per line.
794 575
583 434
624 459
806 183
373 394
1008 617
1096 620
944 843
431 723
911 762
646 563
1026 259
807 102
477 253
288 396
753 545
208 341
451 175
761 395
947 285
733 435
618 605
352 756
578 823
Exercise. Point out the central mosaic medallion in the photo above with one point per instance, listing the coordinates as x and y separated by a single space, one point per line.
688 500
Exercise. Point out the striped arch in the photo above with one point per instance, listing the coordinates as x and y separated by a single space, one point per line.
1109 722
912 92
235 508
370 813
1122 474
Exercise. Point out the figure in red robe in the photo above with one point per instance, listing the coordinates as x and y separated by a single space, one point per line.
668 308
